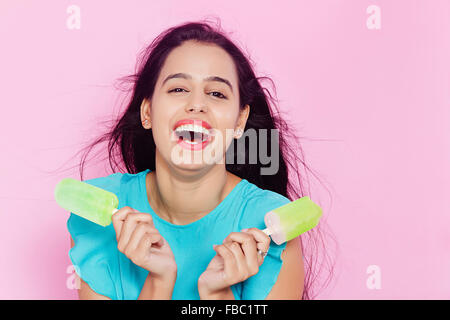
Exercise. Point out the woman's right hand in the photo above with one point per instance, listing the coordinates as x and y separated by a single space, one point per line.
141 242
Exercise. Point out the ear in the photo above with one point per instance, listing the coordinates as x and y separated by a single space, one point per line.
243 116
145 110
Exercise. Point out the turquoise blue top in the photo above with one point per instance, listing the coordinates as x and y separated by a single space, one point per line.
109 272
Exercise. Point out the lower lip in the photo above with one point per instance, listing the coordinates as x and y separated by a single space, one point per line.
195 146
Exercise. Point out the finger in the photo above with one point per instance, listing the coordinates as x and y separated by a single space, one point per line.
262 239
137 235
248 245
230 266
118 219
239 257
147 241
263 242
132 219
243 238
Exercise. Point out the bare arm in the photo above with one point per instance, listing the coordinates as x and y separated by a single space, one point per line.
290 282
157 289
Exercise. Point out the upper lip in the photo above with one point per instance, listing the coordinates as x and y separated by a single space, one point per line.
200 122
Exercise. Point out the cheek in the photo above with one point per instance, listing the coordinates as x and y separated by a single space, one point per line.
226 118
162 114
161 125
226 134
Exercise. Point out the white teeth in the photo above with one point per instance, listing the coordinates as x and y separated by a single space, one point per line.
192 127
187 141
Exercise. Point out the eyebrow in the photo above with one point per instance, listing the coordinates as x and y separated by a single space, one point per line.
188 77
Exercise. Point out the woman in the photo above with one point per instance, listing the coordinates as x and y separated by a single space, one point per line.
190 220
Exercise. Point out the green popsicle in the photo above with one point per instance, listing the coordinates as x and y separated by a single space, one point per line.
87 201
292 219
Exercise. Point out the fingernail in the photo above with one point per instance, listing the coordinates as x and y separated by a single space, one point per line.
243 230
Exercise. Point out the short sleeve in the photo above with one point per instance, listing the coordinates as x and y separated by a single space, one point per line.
259 286
94 254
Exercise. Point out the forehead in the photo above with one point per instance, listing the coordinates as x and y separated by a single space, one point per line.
200 60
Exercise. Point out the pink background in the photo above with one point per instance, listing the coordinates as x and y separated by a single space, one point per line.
373 106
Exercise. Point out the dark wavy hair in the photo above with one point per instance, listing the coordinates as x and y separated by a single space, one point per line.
135 147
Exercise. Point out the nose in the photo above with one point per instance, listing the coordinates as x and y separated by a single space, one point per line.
196 108
196 104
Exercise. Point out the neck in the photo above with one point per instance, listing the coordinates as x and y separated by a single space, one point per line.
184 196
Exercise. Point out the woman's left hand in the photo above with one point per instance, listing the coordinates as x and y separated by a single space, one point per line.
236 260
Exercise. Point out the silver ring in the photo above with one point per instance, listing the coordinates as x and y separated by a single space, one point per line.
263 254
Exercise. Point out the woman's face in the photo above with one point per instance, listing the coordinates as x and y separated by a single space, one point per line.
184 92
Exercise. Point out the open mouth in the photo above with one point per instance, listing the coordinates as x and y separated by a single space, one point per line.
192 137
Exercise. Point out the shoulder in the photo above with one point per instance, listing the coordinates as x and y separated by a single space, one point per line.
254 192
77 225
110 183
118 183
257 202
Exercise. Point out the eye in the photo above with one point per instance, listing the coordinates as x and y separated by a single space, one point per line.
176 89
221 96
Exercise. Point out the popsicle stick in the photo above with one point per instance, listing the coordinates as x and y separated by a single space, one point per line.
267 231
